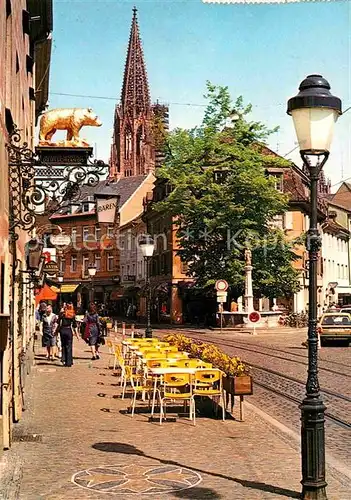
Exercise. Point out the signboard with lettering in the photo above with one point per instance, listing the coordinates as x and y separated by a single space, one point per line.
51 268
106 209
60 240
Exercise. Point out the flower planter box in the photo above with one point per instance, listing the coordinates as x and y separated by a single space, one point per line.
109 326
238 386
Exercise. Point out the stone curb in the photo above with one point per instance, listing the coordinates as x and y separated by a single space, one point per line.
331 461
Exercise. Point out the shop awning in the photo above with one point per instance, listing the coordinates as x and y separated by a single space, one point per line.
68 288
46 293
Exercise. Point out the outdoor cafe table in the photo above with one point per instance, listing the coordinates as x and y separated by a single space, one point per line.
156 372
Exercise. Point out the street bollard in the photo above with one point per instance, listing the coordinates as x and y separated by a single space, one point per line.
123 330
116 327
132 331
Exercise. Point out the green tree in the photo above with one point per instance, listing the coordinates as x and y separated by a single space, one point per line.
223 201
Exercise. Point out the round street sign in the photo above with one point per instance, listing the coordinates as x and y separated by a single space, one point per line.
60 240
51 268
221 286
254 316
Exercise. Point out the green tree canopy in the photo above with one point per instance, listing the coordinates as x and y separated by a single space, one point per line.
223 201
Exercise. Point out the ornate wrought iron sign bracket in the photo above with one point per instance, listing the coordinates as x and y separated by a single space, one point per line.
47 180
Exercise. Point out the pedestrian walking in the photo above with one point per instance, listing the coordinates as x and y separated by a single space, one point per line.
49 322
67 327
92 331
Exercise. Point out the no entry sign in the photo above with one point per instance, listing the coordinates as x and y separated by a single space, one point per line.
254 317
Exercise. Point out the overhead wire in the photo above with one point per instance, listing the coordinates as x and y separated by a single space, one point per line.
184 104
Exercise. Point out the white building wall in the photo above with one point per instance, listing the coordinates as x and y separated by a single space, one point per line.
335 251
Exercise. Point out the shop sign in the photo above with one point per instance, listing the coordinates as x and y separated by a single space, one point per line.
51 268
106 209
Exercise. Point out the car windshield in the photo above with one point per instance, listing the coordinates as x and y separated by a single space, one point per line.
337 320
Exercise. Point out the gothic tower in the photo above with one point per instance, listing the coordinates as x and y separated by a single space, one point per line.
133 150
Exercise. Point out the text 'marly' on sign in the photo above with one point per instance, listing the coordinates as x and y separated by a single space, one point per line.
106 209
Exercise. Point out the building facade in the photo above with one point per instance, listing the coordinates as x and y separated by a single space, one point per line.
294 182
168 274
24 61
99 244
336 256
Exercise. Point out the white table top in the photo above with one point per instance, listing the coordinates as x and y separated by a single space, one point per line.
184 355
164 371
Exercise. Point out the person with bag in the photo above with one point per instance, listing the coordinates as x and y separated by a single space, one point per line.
49 320
92 332
67 326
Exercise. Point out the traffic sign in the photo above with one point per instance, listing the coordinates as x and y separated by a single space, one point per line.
222 296
221 286
51 268
254 317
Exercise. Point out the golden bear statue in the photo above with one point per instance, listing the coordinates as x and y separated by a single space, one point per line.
70 119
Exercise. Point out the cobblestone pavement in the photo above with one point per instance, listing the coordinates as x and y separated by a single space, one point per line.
85 447
283 353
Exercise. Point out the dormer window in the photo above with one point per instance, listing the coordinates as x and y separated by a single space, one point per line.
278 182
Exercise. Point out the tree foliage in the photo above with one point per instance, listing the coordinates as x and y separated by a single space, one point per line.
223 201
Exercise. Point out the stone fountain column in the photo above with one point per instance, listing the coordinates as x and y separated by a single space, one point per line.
248 289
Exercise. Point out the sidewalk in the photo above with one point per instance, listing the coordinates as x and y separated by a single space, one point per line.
84 447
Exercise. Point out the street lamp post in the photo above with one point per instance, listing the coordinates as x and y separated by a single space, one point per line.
147 247
60 280
314 111
92 272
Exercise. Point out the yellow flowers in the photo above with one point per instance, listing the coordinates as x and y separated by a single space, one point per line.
231 366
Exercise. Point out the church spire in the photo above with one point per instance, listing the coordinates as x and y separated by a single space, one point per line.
135 91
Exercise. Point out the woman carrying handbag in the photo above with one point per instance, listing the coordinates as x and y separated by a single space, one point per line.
92 331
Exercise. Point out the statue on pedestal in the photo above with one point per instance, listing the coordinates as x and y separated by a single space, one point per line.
71 120
247 255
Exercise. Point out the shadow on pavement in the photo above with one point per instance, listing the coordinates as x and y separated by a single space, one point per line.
197 492
128 449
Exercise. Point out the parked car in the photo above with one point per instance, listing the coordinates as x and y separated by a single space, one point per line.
335 326
346 309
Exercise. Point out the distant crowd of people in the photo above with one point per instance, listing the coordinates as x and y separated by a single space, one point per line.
59 329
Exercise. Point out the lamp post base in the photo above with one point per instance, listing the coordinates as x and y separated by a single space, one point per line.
148 332
313 449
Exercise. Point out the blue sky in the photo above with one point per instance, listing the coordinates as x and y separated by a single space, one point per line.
259 51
